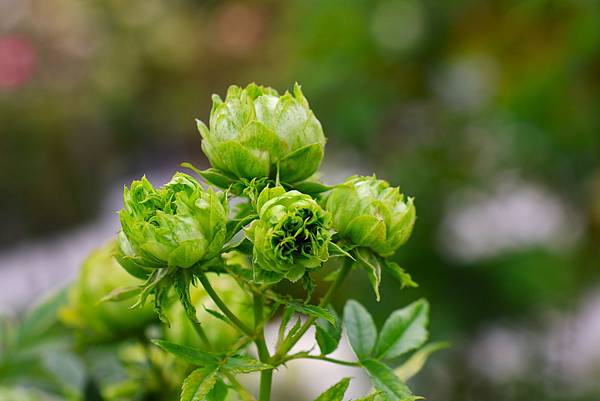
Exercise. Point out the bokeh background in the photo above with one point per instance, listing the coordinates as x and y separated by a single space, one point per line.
487 112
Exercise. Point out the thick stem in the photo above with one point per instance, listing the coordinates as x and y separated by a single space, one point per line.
266 376
226 311
286 345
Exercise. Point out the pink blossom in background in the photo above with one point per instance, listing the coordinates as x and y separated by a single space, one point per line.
17 61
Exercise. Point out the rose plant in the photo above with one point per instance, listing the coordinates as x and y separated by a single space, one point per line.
211 259
265 149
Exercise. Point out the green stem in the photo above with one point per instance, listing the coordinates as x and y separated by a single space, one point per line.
288 343
246 395
323 358
266 376
226 311
201 333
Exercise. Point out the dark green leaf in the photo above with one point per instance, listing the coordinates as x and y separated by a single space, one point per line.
245 364
121 294
191 355
328 335
384 380
403 331
360 328
400 274
335 392
198 384
417 360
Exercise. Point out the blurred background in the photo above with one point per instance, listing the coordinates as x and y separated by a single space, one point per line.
487 112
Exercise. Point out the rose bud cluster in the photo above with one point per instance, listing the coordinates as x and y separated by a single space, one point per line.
256 133
177 225
367 212
291 235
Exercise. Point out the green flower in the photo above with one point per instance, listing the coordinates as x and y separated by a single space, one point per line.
220 334
255 129
178 225
100 273
367 212
290 236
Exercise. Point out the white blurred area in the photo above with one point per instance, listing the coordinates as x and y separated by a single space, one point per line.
511 215
561 349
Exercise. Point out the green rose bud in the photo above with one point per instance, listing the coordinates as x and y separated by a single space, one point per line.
220 334
367 212
290 236
99 275
178 225
255 129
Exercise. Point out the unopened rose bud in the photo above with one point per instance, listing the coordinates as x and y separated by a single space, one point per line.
177 225
367 212
255 130
291 235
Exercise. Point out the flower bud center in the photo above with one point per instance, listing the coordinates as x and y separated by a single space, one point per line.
299 233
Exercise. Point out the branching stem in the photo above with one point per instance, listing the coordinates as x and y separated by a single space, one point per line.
246 395
289 342
322 358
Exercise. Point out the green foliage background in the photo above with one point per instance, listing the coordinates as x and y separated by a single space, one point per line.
438 96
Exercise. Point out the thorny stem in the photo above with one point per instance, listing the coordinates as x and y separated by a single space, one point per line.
266 376
289 342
